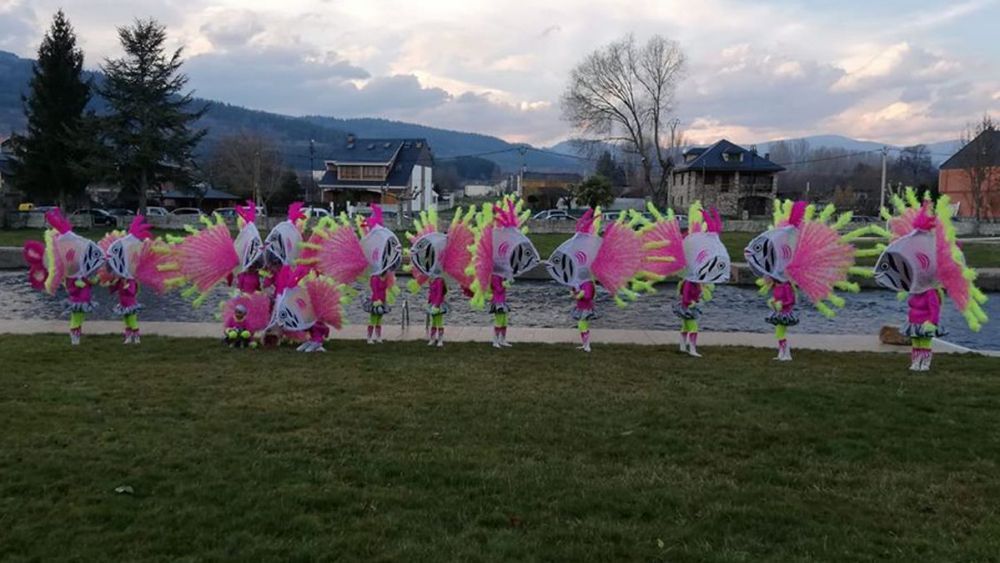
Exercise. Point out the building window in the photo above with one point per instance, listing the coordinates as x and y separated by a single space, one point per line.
373 173
726 178
349 172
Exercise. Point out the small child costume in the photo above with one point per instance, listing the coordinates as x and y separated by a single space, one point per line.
134 258
248 311
613 259
502 252
65 259
336 250
308 303
699 257
433 255
923 261
803 252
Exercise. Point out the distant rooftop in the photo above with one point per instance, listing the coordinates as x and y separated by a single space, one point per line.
725 156
988 142
371 151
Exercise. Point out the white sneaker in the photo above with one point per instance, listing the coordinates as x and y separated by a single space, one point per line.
504 343
496 341
74 338
431 342
127 338
925 362
135 338
440 343
370 341
304 347
684 345
585 347
693 351
786 355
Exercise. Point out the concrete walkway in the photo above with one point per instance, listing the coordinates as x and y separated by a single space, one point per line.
828 342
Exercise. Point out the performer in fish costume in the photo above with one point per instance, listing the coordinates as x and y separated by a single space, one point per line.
248 311
502 252
346 255
803 252
923 263
284 242
307 303
613 258
65 259
699 257
435 255
134 259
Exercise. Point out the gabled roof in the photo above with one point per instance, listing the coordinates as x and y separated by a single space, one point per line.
711 159
406 153
988 141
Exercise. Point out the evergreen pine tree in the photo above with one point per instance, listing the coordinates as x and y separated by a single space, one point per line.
148 131
48 165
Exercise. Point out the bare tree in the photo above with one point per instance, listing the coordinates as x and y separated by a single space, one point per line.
623 93
980 158
247 164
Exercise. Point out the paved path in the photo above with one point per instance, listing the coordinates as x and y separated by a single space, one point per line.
829 342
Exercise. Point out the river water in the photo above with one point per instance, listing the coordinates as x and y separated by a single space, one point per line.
545 304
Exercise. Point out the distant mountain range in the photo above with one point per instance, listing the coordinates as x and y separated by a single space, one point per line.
293 134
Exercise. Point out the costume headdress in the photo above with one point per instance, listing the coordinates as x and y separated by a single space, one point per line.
347 252
249 246
699 257
136 255
434 254
284 241
614 257
923 254
808 251
501 247
304 298
64 255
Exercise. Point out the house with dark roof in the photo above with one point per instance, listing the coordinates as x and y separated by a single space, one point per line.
396 173
544 190
978 162
737 181
202 196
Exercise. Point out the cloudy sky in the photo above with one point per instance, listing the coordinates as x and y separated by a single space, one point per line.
900 71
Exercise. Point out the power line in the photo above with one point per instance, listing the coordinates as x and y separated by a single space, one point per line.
824 159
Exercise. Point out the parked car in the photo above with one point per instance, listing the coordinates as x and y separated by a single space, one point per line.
316 212
99 217
187 212
156 211
553 215
41 209
122 212
227 213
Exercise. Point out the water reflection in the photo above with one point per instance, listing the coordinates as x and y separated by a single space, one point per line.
545 304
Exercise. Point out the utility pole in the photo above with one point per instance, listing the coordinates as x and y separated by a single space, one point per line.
674 123
885 159
312 174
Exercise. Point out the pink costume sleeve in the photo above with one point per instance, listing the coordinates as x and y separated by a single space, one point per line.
786 294
127 291
249 281
378 286
690 293
585 296
436 293
498 289
924 307
76 293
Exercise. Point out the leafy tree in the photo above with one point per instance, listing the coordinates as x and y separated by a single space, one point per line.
595 191
610 169
148 131
289 189
48 164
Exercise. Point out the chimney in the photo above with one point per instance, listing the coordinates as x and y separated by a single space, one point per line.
767 156
350 138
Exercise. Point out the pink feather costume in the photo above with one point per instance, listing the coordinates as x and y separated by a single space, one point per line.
248 311
335 250
699 258
435 255
802 252
613 258
134 258
924 262
65 260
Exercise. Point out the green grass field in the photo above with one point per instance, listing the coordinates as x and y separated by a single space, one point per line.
463 454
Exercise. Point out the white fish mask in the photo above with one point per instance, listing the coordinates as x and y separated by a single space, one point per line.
707 258
293 310
282 243
249 247
121 256
909 264
382 249
571 262
769 253
81 256
427 254
513 253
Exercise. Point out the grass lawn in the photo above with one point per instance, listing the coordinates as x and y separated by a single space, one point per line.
535 453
